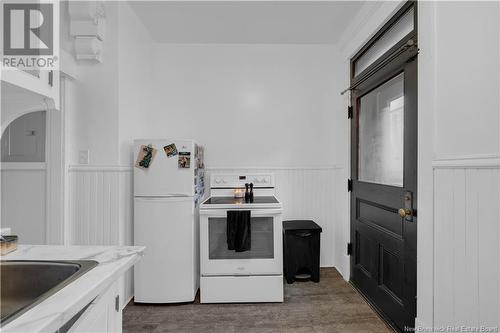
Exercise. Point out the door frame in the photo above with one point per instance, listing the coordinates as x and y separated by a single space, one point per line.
376 74
54 159
356 79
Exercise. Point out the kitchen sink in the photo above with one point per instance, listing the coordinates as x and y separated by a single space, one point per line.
25 284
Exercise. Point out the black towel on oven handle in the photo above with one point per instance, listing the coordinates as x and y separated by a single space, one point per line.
238 230
231 227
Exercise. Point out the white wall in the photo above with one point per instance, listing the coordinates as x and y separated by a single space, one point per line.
265 106
260 108
135 81
250 105
467 78
93 115
109 99
459 98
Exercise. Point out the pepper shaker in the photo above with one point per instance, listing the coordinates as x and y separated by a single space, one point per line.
247 192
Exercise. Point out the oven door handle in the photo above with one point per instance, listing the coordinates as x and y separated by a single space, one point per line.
253 212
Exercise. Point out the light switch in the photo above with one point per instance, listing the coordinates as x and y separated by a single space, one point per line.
83 156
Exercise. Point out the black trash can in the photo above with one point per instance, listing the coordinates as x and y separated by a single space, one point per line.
301 240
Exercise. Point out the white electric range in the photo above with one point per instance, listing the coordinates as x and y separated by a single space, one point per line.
255 275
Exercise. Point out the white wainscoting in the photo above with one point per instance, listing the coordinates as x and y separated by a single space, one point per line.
101 206
101 202
466 242
23 201
306 193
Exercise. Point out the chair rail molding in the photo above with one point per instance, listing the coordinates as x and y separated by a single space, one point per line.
316 167
478 161
99 168
23 166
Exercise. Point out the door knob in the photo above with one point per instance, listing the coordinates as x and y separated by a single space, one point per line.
404 212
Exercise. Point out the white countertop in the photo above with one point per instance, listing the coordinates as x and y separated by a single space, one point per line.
56 310
5 231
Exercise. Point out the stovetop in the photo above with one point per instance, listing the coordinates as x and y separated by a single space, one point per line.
240 201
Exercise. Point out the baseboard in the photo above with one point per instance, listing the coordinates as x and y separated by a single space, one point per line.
128 301
386 320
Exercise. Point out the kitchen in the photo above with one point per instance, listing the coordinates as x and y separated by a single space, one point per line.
258 85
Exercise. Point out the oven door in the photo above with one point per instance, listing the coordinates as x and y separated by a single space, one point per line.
265 256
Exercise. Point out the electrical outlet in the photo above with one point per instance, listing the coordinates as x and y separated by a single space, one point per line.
83 156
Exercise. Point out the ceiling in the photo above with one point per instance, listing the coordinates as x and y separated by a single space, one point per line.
247 22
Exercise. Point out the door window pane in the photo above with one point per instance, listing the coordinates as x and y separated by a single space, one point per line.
381 134
262 238
390 38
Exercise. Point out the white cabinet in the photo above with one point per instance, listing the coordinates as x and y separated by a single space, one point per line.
42 82
104 314
20 98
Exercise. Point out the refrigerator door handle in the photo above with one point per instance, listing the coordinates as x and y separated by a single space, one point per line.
164 199
172 195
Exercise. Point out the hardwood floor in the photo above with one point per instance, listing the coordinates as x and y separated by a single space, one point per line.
331 305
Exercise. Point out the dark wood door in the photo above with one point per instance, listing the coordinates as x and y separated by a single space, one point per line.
384 188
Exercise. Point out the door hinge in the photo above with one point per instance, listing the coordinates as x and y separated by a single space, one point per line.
349 249
349 112
349 185
51 78
117 303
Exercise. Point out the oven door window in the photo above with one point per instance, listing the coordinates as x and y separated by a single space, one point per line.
262 238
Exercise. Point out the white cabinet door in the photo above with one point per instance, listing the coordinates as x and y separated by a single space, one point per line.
114 309
102 315
93 320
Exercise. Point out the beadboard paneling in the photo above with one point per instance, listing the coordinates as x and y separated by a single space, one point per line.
23 187
94 207
101 206
306 193
467 253
101 202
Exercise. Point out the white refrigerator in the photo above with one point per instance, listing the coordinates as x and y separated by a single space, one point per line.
166 221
